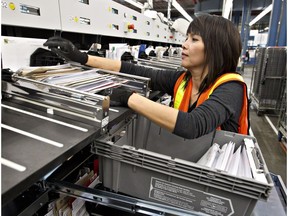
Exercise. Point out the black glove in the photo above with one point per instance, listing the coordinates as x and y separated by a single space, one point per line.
6 74
120 97
66 49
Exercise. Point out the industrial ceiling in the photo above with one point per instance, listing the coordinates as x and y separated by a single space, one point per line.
208 6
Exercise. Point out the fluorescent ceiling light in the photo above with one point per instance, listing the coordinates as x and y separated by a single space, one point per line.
135 3
181 10
227 8
262 14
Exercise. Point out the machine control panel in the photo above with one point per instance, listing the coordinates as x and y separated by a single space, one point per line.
29 13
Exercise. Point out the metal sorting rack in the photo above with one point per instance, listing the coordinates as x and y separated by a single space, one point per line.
269 78
74 90
162 63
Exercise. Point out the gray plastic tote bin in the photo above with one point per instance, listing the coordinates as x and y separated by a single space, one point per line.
160 178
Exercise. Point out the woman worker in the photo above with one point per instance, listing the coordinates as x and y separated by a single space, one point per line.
209 95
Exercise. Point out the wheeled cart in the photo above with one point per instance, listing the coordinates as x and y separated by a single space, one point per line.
268 81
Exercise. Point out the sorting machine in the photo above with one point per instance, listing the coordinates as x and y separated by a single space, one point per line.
48 126
51 117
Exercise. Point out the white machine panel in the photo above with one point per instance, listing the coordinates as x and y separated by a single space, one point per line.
97 17
119 18
80 16
106 17
31 13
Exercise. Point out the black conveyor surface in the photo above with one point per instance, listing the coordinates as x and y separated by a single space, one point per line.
38 156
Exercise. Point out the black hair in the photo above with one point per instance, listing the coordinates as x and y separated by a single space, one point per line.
222 46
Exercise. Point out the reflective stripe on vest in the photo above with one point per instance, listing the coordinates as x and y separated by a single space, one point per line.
179 94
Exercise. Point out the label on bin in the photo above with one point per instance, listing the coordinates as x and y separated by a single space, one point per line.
189 198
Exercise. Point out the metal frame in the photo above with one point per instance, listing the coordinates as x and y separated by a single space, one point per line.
282 120
162 63
268 78
117 201
87 105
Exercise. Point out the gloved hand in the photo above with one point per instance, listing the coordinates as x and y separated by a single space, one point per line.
120 97
66 49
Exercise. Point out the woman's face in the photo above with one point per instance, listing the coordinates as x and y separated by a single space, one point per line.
193 56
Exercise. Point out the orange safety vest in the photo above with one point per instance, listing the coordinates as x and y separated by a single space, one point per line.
182 97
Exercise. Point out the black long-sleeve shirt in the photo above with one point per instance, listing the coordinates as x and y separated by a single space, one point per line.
222 108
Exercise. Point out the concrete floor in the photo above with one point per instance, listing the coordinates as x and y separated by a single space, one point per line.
274 152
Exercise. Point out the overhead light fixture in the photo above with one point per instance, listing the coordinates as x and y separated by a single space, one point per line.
227 8
181 10
261 15
135 3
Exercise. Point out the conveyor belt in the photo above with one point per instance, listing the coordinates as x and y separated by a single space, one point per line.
40 145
